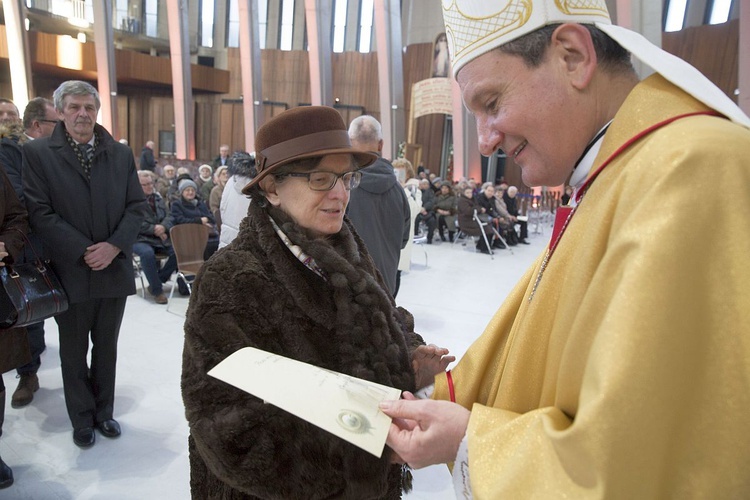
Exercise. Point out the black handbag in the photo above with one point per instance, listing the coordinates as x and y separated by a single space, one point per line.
30 292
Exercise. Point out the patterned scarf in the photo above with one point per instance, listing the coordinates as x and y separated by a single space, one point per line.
86 159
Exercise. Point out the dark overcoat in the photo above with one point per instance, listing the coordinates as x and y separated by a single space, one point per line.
256 293
71 213
14 344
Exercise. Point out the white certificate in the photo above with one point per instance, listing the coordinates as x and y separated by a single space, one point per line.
340 404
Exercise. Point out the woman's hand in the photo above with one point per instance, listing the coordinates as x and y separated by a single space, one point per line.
427 361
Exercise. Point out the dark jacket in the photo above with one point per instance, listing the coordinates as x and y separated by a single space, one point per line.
255 292
428 199
147 159
14 344
466 223
154 217
70 213
488 204
186 212
380 213
11 159
511 204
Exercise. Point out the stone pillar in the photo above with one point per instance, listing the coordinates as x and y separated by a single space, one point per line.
250 66
18 53
743 78
318 18
387 27
182 81
106 73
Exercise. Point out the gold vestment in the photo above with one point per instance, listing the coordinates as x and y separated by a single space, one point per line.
628 374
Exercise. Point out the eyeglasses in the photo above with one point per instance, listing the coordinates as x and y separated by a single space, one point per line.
320 180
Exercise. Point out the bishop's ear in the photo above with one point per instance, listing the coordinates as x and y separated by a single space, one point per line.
573 45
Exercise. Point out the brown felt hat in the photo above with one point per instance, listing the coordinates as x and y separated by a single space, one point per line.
299 133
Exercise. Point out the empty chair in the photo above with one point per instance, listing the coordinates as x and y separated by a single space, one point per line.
189 242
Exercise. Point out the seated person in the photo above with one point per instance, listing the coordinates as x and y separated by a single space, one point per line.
511 204
173 193
492 212
167 179
426 213
467 205
153 238
445 210
188 209
506 220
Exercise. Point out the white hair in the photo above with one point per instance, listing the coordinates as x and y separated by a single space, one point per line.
365 129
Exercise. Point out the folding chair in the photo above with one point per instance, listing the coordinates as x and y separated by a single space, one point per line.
138 270
189 242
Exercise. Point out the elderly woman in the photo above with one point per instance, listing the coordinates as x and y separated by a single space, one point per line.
445 209
296 281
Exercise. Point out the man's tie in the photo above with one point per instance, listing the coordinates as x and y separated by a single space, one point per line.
87 152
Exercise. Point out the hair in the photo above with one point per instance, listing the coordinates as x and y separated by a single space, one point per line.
74 87
146 173
486 185
365 129
406 165
8 101
512 189
532 48
36 110
183 170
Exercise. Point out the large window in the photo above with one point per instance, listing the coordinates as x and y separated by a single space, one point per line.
233 23
287 24
206 8
152 18
720 11
365 25
339 25
675 18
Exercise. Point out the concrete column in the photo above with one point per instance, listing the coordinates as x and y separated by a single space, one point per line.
106 73
250 66
387 25
644 17
18 53
318 18
182 81
467 161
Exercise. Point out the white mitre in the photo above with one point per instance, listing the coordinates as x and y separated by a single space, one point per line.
475 27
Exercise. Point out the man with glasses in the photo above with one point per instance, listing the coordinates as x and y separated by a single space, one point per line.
39 119
153 239
379 209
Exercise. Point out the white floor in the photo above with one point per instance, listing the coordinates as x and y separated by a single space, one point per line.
452 299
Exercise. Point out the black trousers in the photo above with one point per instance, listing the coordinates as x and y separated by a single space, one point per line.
90 391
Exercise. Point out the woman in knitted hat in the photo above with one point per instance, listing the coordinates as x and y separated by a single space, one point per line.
189 209
296 281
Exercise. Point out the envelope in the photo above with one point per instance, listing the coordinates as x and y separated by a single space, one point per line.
343 405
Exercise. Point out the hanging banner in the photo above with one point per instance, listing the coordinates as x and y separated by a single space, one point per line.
431 96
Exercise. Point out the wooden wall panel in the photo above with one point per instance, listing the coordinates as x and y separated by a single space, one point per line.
355 82
713 49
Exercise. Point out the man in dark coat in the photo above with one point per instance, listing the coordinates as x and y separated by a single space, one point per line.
153 239
85 202
378 207
39 120
147 157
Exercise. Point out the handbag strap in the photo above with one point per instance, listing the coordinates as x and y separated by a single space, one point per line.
27 244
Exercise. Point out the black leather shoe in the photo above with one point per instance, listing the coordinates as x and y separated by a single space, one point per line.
84 437
6 475
109 428
524 242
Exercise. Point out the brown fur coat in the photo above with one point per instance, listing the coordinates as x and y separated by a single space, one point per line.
256 293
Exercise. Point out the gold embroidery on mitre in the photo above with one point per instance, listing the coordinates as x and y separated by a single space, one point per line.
585 7
468 36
